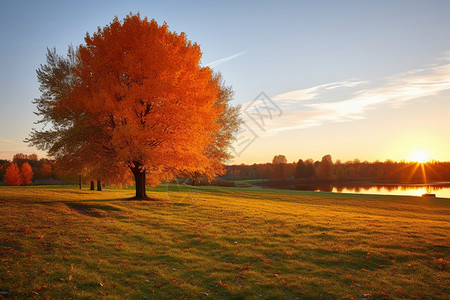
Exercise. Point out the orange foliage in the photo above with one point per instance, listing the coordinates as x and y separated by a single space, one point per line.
147 95
26 173
138 98
12 175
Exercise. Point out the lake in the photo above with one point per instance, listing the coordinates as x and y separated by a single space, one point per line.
441 190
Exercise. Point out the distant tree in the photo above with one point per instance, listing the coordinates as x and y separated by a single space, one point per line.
33 157
380 173
290 169
26 173
325 169
135 97
352 172
12 175
2 168
310 169
236 174
300 169
20 157
45 170
340 172
279 163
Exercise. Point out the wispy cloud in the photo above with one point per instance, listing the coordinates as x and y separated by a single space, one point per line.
5 141
224 60
314 92
352 100
394 91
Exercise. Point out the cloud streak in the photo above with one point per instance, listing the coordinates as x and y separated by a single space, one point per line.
224 60
395 91
314 92
352 100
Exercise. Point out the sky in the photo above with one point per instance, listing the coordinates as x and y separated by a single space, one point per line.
354 79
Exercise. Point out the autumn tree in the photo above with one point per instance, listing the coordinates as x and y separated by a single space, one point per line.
300 169
12 175
310 169
135 97
279 163
27 173
20 157
325 169
45 170
340 172
217 150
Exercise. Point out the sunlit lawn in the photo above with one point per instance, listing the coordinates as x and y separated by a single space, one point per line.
221 243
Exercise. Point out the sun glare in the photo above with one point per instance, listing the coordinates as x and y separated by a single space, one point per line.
420 156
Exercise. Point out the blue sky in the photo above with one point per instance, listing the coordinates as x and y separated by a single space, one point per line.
354 79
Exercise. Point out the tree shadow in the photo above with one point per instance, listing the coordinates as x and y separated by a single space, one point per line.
64 201
92 210
179 204
106 199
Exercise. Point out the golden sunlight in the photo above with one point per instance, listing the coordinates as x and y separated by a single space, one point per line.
420 156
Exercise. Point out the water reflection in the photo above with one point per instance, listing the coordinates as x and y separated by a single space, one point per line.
407 190
441 189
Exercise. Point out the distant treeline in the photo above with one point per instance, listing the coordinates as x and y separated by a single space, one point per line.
326 169
43 169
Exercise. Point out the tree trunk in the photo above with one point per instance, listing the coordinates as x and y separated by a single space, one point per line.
92 186
99 185
139 178
79 180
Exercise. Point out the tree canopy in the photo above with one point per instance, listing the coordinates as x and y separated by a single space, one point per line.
136 97
325 169
279 162
12 175
16 176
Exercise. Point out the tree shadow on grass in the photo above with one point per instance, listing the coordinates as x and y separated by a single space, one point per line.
107 200
92 210
179 204
99 207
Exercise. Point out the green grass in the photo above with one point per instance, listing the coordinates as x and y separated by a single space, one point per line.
208 242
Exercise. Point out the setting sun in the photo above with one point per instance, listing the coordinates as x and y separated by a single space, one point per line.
420 156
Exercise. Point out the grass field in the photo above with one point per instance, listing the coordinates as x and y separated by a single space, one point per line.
207 242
